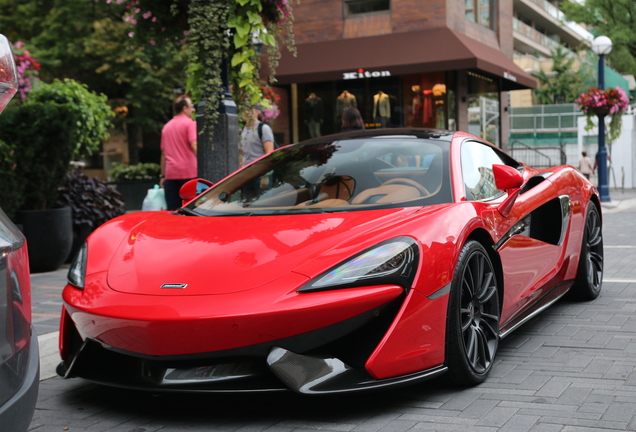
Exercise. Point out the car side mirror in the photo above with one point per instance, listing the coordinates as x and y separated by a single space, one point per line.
8 74
193 188
510 180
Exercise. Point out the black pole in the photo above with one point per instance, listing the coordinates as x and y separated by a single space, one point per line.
218 157
601 156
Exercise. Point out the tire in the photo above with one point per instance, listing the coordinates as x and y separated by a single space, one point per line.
589 276
473 318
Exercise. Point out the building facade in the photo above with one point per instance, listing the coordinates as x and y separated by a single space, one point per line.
538 27
403 63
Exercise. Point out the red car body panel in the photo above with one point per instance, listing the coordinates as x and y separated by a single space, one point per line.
163 326
224 247
416 335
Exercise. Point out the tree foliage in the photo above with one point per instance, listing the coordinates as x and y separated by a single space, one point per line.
88 41
218 33
138 50
615 19
567 80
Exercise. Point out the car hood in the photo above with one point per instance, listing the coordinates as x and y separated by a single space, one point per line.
165 253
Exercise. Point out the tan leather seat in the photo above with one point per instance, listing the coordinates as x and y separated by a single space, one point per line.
337 187
335 191
392 191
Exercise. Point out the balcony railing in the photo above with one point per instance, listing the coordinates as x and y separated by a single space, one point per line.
560 16
533 34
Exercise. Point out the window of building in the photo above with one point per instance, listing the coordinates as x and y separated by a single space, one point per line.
481 11
359 7
484 120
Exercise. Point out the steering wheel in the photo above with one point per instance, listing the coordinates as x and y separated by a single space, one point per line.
408 182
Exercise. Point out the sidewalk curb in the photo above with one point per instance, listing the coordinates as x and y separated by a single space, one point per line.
615 206
49 355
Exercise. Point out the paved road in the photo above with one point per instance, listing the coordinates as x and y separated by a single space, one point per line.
573 368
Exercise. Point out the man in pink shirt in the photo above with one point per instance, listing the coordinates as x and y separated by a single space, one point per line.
178 151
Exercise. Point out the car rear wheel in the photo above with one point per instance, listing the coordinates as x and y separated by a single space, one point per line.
589 278
473 319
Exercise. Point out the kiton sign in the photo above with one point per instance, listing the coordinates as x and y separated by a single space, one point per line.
509 76
361 73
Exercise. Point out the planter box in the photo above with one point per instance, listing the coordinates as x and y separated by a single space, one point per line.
134 192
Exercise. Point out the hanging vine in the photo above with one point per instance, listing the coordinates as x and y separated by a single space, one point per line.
212 31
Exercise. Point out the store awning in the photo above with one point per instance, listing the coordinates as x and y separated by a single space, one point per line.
432 50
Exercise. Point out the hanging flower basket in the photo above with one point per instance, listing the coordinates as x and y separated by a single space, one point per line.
602 103
601 111
269 109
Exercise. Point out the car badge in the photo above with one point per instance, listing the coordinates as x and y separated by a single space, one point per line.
174 286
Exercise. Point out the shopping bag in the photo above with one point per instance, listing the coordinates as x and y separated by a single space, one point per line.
155 200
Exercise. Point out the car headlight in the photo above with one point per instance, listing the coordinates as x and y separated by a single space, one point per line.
391 262
77 271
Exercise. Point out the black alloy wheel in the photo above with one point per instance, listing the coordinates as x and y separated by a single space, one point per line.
589 278
473 319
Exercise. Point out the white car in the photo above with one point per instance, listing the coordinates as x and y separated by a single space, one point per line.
19 351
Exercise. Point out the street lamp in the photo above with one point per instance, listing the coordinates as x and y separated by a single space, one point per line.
602 46
218 157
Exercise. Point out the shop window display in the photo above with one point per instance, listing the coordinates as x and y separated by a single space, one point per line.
419 100
378 99
428 97
483 108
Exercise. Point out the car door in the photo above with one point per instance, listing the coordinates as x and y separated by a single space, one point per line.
529 239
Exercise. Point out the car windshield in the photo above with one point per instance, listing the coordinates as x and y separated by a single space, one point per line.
341 175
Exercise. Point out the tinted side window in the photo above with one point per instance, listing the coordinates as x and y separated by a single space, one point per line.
477 162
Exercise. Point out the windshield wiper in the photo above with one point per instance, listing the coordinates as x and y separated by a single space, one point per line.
188 212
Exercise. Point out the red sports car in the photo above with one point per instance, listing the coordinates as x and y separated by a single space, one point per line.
344 263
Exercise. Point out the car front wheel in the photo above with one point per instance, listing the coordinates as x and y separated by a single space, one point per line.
473 319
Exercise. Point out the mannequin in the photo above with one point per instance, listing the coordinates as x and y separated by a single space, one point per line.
439 96
313 115
345 100
417 104
381 108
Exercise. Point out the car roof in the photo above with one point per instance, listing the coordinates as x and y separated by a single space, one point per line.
440 134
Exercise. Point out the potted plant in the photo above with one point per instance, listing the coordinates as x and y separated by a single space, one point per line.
133 181
56 123
92 201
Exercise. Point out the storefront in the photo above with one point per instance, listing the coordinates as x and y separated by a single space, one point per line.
434 78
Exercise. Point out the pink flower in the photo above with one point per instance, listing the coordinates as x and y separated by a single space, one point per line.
147 15
131 34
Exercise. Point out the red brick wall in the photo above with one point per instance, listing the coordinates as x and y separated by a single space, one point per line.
322 20
317 20
370 25
410 15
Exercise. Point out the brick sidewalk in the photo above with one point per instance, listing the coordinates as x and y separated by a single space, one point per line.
572 368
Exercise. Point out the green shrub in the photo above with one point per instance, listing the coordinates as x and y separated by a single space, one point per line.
92 113
141 171
10 191
42 137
